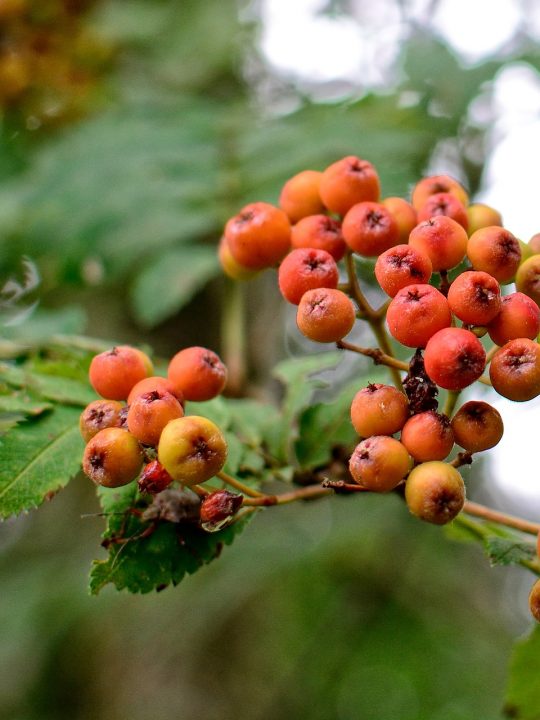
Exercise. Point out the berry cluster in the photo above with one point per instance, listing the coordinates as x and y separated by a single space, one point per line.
140 429
443 264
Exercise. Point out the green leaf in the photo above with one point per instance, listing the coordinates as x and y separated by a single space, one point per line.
38 458
508 550
171 280
168 551
300 377
324 426
60 389
523 694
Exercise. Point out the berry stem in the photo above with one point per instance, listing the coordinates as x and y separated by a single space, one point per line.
305 493
365 309
376 354
450 404
237 485
384 344
490 354
486 513
233 332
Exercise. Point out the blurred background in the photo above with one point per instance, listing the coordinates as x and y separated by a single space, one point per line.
130 131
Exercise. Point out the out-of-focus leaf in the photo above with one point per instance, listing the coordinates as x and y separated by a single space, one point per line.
171 280
508 551
523 694
58 388
162 558
38 458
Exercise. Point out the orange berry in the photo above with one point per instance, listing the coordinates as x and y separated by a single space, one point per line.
347 182
442 239
112 458
369 229
379 410
437 184
435 492
113 373
197 373
495 251
300 195
477 426
379 463
321 233
428 436
325 315
259 236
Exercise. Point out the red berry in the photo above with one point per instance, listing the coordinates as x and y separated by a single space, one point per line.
259 236
495 251
347 182
325 315
454 358
197 373
113 373
321 233
519 317
153 478
428 436
400 266
369 229
442 239
475 297
444 204
306 269
477 426
515 370
416 313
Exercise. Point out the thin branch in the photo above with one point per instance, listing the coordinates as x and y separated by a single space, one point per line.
486 513
237 485
377 355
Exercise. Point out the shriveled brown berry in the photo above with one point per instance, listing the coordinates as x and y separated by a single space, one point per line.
428 436
98 415
435 492
379 410
514 370
325 315
112 458
477 426
153 478
454 358
219 506
379 463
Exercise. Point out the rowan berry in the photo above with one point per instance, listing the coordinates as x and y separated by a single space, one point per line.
113 373
230 266
480 216
534 244
495 251
306 269
454 358
437 184
197 373
528 278
325 315
519 317
259 236
192 449
444 204
403 213
112 458
321 233
347 182
379 410
400 266
416 313
379 463
475 297
477 426
435 492
534 601
218 507
514 370
98 415
152 383
428 436
300 195
149 413
442 239
369 229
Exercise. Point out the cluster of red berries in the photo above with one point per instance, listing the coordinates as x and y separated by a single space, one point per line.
140 430
326 216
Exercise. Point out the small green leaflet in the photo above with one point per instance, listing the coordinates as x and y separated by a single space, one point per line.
163 557
508 551
523 693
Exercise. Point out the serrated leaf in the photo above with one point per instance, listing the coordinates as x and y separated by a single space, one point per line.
163 557
23 404
508 551
57 388
523 694
171 280
39 457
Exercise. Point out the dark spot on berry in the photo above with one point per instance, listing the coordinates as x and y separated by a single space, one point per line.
375 219
96 461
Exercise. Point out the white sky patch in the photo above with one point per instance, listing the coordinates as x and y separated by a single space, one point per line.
477 29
